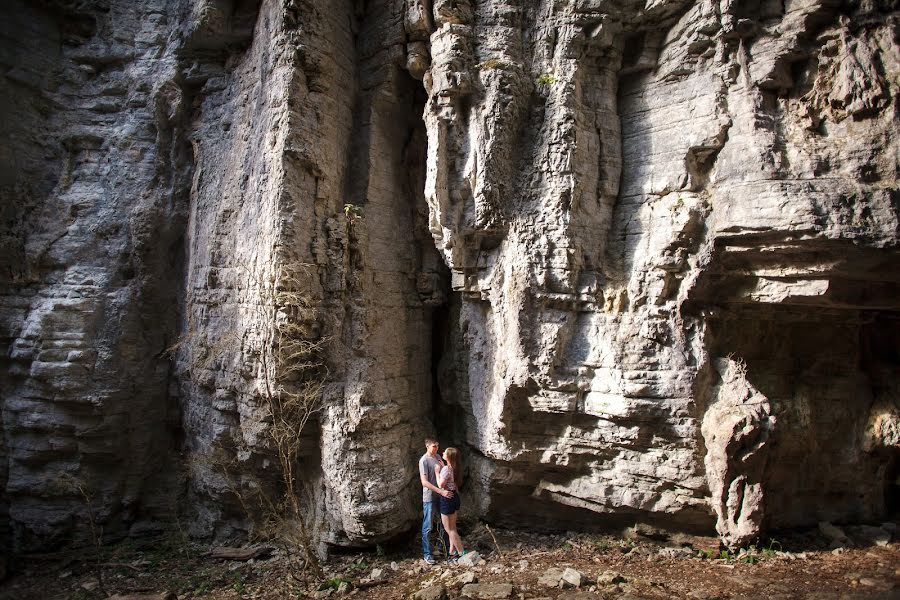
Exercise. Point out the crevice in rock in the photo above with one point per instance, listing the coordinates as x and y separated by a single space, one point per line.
445 410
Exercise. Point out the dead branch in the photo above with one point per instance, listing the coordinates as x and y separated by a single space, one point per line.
366 584
496 545
225 553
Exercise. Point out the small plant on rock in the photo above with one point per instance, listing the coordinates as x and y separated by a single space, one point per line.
71 483
334 583
770 551
352 212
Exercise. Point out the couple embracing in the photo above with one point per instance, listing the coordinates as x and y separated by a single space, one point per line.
441 477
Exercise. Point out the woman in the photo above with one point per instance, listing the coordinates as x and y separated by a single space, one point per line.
449 477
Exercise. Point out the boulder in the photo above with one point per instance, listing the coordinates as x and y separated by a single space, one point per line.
551 577
434 592
465 578
470 559
834 534
571 577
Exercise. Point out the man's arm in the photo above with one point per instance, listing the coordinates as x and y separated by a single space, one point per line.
434 488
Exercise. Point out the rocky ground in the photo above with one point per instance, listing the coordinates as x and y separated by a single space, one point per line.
859 562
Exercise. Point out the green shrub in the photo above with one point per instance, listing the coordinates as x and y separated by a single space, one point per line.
352 212
334 583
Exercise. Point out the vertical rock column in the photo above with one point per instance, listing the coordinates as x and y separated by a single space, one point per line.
309 159
380 312
265 130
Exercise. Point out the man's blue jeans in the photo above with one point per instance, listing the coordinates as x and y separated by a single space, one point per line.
431 513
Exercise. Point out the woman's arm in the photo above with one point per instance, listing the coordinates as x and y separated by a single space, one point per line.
440 479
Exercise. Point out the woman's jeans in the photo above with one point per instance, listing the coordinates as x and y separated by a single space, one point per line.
431 513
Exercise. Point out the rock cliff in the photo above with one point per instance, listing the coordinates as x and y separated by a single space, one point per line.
637 259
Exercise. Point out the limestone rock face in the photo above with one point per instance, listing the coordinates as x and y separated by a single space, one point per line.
673 230
94 199
638 260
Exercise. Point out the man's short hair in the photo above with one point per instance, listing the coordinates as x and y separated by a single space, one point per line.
429 441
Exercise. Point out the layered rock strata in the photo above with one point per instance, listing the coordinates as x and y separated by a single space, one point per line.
215 149
637 259
94 195
673 227
324 180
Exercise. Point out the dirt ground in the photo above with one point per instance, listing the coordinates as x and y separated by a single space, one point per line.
797 565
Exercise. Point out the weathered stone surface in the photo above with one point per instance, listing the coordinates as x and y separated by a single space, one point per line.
487 591
610 578
571 577
466 578
834 534
740 416
637 260
579 596
94 181
229 142
647 213
868 535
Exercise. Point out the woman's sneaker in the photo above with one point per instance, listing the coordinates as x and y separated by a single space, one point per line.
429 560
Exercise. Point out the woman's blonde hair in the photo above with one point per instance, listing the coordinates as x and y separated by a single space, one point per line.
454 460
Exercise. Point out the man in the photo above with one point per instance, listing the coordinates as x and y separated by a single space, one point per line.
430 493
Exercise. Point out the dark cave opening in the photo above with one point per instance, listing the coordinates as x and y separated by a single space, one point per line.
633 46
880 356
829 376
